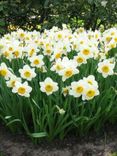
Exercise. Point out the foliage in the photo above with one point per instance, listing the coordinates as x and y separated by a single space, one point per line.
31 14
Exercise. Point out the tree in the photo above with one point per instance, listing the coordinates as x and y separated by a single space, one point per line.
30 14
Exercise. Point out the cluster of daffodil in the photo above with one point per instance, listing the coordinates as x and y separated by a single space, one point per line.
58 62
88 87
57 44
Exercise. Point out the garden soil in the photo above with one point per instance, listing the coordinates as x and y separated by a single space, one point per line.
92 145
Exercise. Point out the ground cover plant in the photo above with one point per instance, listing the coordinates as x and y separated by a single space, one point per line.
58 82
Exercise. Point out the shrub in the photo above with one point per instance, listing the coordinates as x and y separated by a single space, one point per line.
58 81
33 14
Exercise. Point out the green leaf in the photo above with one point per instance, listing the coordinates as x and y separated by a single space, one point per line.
38 135
46 3
90 1
112 52
13 121
2 23
7 117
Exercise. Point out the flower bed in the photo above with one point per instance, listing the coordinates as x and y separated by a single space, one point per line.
58 81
